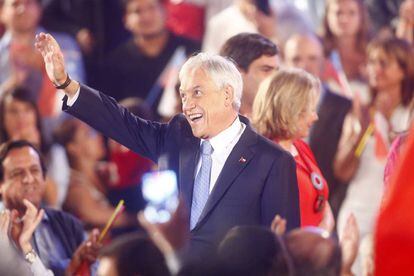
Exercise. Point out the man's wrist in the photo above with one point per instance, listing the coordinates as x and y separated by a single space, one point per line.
26 247
64 84
72 89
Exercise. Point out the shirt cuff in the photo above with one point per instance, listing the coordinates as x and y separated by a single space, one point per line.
38 268
73 99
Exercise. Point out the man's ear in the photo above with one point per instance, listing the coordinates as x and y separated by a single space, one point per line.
229 95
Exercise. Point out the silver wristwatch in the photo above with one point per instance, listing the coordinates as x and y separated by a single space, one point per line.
30 256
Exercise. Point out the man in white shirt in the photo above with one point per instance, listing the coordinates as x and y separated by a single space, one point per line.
228 174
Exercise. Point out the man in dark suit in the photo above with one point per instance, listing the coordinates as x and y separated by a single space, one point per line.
235 177
305 51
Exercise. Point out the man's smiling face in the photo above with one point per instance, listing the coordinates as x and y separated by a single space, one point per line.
207 107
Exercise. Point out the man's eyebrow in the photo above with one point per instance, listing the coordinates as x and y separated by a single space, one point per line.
192 88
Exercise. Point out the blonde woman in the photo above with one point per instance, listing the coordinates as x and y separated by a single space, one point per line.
284 111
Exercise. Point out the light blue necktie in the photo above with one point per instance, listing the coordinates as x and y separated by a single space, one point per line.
201 184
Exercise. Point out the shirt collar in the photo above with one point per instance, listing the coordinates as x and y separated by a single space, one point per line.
45 217
227 136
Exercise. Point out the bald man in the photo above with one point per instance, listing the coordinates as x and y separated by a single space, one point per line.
305 51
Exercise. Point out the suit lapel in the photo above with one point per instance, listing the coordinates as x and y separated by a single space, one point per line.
188 160
237 161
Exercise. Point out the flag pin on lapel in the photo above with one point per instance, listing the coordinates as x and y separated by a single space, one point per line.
242 160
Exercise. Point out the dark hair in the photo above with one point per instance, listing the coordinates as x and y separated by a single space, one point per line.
23 95
253 250
245 48
363 34
124 4
5 148
135 254
403 53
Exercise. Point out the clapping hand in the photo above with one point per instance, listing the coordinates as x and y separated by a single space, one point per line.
21 229
349 244
30 220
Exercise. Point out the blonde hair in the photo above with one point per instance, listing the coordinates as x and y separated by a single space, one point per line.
281 100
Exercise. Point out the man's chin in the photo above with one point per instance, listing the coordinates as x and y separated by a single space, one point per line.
198 134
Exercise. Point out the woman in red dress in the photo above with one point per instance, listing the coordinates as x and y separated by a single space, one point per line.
284 111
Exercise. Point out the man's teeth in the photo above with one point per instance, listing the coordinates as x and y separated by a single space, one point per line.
195 116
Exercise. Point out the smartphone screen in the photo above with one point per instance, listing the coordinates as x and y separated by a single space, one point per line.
161 192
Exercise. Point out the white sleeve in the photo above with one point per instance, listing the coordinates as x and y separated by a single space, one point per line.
73 99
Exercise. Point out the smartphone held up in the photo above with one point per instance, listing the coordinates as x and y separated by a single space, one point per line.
161 193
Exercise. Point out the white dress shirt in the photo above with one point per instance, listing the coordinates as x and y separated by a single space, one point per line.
223 143
72 100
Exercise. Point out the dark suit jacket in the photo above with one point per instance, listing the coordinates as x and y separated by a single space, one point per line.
324 138
257 182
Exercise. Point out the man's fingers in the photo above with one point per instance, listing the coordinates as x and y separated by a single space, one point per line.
29 205
278 225
94 235
31 210
275 222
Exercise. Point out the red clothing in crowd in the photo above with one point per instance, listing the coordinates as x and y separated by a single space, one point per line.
313 189
394 237
131 167
185 19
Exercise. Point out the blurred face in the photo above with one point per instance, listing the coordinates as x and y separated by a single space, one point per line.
21 15
107 267
23 179
19 119
305 53
307 117
384 71
207 108
258 70
87 143
145 18
344 18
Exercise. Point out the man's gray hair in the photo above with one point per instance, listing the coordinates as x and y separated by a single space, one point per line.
221 70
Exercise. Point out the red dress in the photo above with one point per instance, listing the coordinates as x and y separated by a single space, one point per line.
313 189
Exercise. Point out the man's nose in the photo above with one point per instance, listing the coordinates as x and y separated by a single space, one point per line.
188 105
28 177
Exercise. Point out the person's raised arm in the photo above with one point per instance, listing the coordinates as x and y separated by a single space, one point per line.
55 64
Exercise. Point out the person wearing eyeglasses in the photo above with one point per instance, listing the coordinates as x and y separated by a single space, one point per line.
284 110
